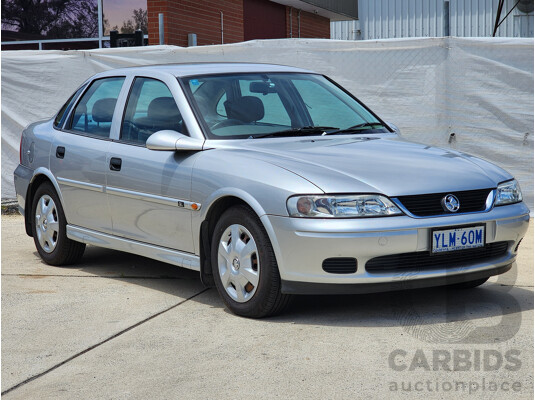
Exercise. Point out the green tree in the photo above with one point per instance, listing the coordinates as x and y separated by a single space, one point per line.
52 18
128 26
139 21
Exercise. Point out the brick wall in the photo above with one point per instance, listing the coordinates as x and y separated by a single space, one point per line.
312 25
201 17
154 7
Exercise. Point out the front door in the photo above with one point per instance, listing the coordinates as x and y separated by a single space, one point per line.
148 190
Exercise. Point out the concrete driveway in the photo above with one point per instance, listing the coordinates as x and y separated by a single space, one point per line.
119 326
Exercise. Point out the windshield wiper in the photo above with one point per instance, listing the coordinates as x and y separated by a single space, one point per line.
354 128
297 131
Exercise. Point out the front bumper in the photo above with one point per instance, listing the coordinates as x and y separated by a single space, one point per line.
302 244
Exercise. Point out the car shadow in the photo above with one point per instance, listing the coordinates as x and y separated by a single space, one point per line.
431 314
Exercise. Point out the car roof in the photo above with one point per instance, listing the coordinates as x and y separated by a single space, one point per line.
206 68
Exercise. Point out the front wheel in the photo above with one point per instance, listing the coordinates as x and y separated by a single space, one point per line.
244 265
49 229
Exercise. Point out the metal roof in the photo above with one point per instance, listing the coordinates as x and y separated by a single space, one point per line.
383 19
335 10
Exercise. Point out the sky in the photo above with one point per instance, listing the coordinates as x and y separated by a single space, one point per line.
117 11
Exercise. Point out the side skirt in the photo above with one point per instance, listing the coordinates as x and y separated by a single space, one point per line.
175 257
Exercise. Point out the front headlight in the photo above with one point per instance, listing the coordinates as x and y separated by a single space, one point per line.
341 206
508 193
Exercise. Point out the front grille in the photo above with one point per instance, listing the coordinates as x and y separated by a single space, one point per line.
424 260
340 265
430 204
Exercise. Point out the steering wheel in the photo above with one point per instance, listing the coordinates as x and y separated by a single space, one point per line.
227 122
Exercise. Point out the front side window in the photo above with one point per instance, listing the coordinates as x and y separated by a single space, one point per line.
150 108
237 106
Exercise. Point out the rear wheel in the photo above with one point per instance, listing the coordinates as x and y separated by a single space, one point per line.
469 284
244 265
49 229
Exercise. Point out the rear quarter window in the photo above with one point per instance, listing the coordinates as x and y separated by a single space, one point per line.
64 111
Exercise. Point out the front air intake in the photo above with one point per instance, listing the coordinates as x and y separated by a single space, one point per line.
340 265
423 260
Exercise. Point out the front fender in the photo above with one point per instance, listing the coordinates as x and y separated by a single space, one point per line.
232 173
232 192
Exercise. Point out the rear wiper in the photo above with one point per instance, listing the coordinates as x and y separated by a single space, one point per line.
354 128
298 131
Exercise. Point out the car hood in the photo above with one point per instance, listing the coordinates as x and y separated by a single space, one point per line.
386 165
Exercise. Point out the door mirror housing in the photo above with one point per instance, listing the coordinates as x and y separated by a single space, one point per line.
169 140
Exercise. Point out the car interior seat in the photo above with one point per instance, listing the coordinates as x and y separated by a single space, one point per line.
246 109
102 114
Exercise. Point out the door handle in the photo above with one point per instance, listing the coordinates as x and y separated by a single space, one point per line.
60 152
115 164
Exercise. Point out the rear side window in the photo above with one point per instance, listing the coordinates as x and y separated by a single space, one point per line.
64 111
150 108
94 112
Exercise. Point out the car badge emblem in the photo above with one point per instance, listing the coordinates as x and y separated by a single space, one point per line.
450 203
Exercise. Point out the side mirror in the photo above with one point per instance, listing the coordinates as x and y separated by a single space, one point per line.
393 127
173 141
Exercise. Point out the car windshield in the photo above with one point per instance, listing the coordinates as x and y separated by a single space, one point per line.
259 105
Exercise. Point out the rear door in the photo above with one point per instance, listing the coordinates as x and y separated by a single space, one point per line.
148 190
78 156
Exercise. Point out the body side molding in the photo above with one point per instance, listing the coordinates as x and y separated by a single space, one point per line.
80 184
168 201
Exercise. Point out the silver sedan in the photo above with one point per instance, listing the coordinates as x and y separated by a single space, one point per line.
268 180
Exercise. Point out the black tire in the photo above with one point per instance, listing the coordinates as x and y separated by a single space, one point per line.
267 299
65 251
468 285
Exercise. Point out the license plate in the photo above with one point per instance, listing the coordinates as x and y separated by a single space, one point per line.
469 237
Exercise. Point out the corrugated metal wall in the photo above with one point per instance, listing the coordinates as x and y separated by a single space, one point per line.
381 19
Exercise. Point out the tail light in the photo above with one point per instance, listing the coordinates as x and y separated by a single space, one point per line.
20 150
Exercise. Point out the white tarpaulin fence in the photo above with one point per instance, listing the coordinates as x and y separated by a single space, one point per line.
480 89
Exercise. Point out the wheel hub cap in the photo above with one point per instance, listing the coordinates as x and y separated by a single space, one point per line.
237 262
47 224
